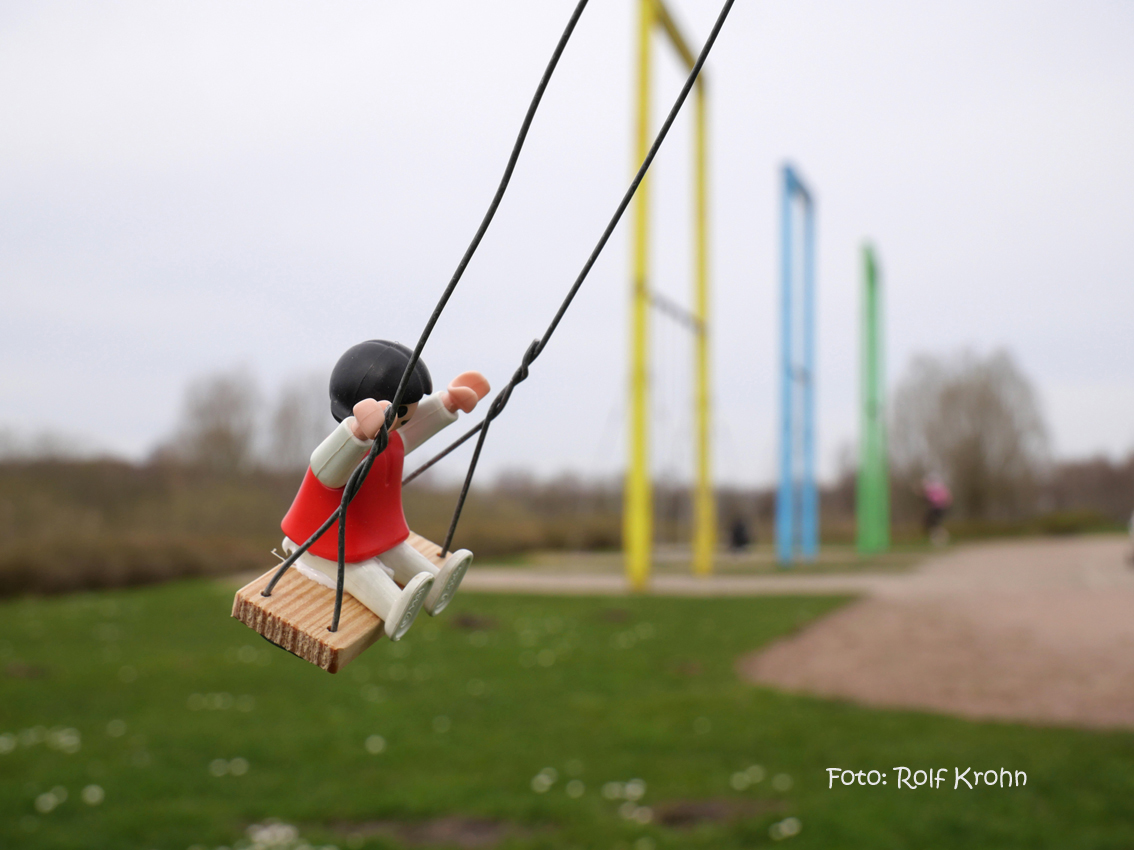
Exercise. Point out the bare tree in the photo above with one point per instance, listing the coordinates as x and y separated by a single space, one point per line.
1097 484
301 419
43 446
218 423
976 422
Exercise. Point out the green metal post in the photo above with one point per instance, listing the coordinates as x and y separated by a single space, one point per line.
873 497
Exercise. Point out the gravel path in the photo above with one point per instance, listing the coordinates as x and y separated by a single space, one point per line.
518 580
1039 631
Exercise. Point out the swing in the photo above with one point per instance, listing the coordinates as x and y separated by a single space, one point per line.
297 618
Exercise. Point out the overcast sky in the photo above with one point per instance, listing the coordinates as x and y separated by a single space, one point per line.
188 188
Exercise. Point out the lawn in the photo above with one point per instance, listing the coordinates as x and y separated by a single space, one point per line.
149 719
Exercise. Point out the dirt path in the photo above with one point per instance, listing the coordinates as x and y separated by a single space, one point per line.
519 580
1040 631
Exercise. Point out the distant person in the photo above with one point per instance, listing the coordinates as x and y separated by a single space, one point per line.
739 538
938 500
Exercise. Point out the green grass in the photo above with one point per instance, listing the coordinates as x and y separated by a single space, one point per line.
600 690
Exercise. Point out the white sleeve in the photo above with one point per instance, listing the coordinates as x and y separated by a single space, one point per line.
335 458
429 418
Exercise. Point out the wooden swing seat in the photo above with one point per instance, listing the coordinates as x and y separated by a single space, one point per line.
297 616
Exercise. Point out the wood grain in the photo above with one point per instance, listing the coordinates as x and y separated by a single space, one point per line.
297 616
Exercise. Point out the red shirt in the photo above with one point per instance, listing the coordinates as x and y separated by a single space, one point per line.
375 519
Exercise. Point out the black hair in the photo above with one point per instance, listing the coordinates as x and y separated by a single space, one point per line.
372 369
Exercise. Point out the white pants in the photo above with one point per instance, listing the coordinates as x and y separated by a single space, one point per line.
373 582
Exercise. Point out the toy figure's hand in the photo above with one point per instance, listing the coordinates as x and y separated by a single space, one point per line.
368 417
465 391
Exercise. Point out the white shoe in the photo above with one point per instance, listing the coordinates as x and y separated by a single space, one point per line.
447 581
408 605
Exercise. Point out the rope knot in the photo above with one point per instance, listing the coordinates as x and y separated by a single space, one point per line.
530 355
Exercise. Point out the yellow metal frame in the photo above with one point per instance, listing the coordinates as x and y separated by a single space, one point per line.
638 498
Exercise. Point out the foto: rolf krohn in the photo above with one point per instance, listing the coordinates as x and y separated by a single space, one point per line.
934 778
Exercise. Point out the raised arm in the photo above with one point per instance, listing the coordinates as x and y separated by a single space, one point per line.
440 409
336 457
430 417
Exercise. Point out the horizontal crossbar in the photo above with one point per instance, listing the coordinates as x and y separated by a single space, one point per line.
676 38
676 312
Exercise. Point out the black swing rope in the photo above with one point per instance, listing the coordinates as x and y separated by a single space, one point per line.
533 351
381 440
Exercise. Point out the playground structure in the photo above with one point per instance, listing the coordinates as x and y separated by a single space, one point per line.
872 497
797 501
638 497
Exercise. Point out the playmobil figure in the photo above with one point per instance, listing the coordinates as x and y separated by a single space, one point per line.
378 558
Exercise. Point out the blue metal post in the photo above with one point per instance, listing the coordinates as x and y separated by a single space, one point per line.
797 502
809 497
785 507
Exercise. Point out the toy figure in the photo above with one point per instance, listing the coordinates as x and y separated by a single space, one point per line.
378 558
